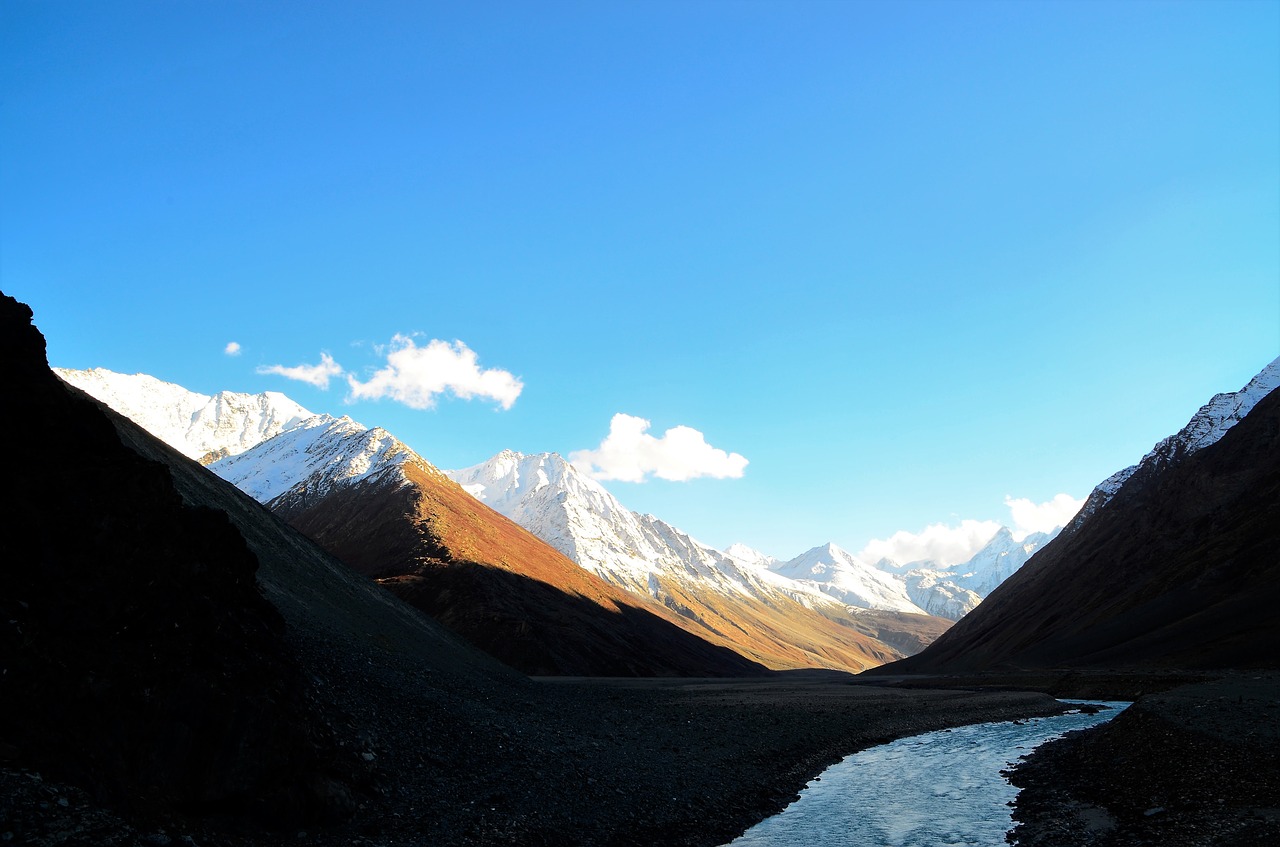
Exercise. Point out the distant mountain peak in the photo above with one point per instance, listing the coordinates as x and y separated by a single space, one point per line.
749 555
840 574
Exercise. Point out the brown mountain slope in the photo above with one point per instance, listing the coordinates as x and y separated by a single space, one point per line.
492 582
1179 570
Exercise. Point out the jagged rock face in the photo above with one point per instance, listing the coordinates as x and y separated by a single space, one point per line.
140 661
1176 569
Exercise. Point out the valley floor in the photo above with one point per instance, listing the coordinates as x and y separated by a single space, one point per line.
559 762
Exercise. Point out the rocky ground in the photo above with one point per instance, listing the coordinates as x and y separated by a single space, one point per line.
1193 766
609 762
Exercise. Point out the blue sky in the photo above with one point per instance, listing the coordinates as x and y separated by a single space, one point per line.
907 260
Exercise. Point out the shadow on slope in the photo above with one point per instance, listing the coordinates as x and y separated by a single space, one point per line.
496 585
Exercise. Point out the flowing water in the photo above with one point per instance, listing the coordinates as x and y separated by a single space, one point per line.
934 790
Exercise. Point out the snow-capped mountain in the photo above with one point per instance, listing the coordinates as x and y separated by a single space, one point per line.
948 591
201 427
998 560
312 458
376 504
954 591
1206 427
724 592
750 556
843 576
555 501
575 514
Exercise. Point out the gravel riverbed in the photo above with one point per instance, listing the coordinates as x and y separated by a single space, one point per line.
555 762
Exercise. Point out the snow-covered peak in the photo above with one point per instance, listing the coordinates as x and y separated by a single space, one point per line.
509 482
750 556
842 575
199 426
1206 426
575 514
952 591
817 561
319 453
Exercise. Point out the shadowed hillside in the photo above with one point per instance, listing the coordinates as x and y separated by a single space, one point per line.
1178 570
139 658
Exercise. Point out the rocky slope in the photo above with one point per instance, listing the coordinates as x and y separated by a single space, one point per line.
1176 568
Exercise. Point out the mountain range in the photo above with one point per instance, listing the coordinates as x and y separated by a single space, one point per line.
177 651
576 515
779 613
376 504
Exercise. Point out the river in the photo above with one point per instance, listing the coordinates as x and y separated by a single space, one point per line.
940 789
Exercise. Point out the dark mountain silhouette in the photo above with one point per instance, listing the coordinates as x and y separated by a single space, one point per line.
139 659
1178 570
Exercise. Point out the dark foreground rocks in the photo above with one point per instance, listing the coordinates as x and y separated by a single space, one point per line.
569 762
1193 766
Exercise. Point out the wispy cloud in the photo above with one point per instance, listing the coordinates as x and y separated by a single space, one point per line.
951 545
416 376
232 348
629 454
317 375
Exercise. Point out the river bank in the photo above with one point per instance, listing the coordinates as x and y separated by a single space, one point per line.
1195 765
587 762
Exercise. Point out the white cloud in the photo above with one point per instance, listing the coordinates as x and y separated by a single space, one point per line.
951 545
232 348
628 453
946 545
317 375
415 375
1031 517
